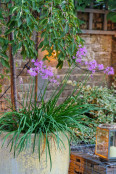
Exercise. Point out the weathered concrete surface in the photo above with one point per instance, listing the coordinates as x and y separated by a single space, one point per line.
28 162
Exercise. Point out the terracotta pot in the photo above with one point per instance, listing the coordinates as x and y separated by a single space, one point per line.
28 163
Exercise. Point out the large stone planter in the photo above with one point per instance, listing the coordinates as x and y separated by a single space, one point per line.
28 162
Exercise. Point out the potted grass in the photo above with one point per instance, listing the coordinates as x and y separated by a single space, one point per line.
36 138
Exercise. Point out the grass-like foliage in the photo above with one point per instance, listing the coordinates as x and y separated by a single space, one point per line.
46 118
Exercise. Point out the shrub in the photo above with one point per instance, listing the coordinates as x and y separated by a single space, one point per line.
103 98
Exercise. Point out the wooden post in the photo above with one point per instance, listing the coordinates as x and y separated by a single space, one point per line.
12 71
105 22
105 18
91 17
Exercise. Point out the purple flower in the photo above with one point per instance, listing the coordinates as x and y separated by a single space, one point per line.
39 64
44 71
44 66
32 72
100 66
93 71
36 68
86 63
109 71
49 73
53 81
33 60
44 77
92 66
58 76
82 51
78 60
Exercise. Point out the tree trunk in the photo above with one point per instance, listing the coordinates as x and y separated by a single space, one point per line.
13 73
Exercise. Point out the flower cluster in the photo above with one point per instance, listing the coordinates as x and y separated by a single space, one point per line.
109 70
92 66
43 70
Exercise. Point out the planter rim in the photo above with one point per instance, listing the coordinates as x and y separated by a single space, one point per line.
3 132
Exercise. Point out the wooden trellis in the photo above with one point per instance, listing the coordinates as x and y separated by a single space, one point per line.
91 11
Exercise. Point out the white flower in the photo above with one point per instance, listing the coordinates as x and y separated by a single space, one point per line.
69 82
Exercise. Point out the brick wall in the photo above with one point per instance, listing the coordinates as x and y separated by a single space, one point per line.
100 47
113 58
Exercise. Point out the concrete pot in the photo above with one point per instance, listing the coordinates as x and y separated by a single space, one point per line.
28 162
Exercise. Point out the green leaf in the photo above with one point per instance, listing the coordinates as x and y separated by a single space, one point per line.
19 22
2 76
41 45
14 9
27 11
42 35
9 31
14 48
28 19
4 63
7 71
60 64
62 35
66 28
2 40
3 55
61 48
0 88
112 16
1 16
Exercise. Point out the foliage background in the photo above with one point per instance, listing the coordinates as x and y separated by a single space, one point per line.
105 100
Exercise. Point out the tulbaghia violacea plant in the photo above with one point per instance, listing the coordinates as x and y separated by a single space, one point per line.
47 117
92 65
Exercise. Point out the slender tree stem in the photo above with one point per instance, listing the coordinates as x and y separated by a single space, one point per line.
12 71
